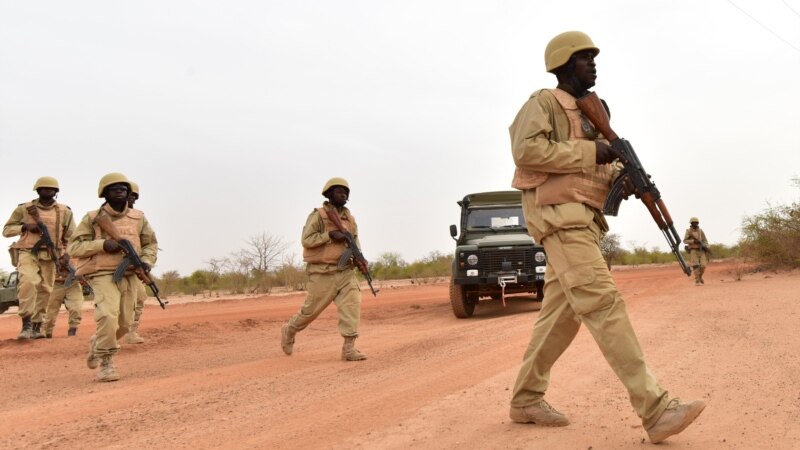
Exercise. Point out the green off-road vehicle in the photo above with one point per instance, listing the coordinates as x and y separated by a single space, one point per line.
8 293
494 255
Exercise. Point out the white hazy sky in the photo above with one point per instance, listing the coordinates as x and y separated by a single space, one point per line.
231 115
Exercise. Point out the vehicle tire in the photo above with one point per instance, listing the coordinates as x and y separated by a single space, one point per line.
540 291
462 306
4 307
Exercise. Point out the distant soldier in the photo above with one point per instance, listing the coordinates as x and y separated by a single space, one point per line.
72 299
323 245
37 265
98 256
695 240
133 336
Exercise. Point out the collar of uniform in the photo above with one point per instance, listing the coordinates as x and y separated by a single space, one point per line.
38 204
111 212
343 213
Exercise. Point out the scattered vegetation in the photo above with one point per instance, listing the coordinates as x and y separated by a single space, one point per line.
772 238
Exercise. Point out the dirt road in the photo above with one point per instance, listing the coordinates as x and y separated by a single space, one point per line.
212 374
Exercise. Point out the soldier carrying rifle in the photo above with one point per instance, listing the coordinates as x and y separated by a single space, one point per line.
42 224
103 246
565 168
697 247
331 252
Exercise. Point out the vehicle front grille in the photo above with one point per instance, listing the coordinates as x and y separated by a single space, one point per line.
491 260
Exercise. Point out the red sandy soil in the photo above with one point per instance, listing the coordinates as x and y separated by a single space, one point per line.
212 374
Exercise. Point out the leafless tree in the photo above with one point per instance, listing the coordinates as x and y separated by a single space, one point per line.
263 250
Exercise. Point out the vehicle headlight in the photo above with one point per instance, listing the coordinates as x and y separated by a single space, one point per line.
472 260
539 257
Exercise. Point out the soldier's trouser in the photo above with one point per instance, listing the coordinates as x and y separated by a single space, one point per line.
698 260
141 296
340 288
579 289
113 310
71 297
36 278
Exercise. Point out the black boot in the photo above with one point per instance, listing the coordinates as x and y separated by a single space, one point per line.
36 331
26 328
72 331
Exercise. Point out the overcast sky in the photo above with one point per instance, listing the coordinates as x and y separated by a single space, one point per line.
232 115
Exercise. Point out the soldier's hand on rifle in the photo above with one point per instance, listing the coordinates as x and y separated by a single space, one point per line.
362 265
605 153
146 267
30 228
337 235
111 246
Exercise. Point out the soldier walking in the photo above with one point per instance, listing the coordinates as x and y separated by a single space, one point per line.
695 240
72 299
564 169
36 264
323 246
98 256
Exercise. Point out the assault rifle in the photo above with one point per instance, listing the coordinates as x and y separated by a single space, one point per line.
352 250
632 179
45 241
131 259
72 276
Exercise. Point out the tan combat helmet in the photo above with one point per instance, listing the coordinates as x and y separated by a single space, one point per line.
563 46
694 220
109 179
46 182
134 189
336 181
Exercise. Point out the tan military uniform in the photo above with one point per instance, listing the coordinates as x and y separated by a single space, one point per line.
697 256
37 272
114 302
326 282
551 142
72 299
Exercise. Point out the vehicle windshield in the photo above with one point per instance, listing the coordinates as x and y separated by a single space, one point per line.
496 218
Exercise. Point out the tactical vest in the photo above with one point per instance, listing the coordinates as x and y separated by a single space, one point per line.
697 236
332 250
129 226
590 187
52 217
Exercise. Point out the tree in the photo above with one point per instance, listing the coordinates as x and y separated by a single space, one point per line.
611 248
170 281
264 249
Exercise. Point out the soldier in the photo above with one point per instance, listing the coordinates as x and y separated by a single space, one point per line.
36 265
71 297
697 246
133 336
323 245
97 257
564 172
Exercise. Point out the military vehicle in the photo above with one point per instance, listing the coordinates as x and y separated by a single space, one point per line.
495 256
8 293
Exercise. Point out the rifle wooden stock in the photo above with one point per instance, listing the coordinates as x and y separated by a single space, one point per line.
593 109
633 179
